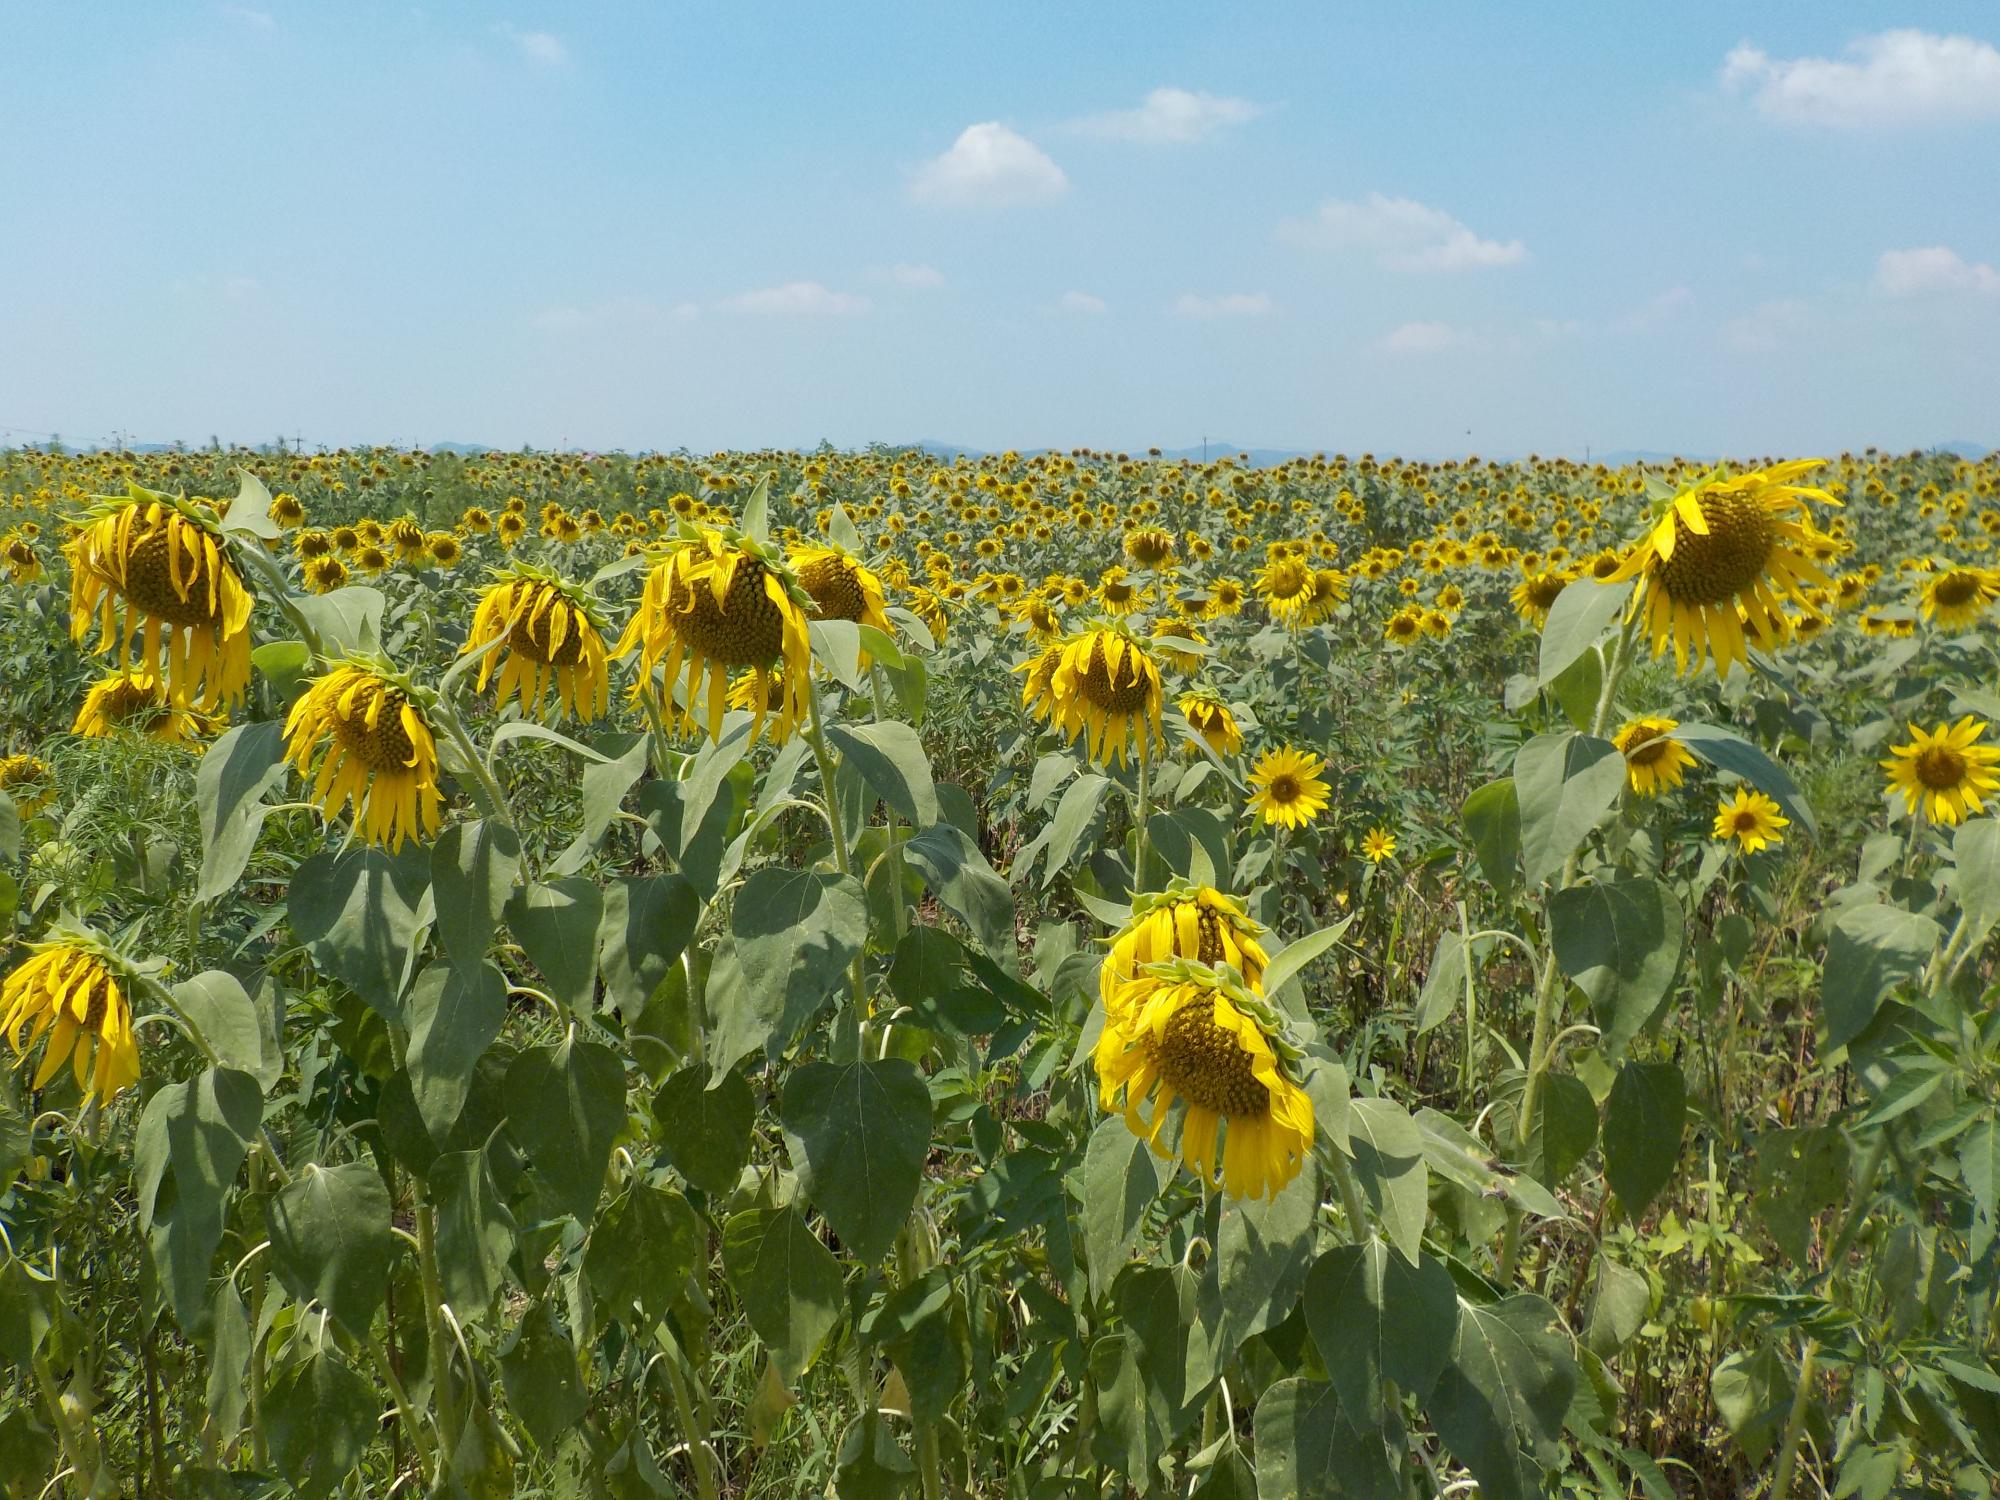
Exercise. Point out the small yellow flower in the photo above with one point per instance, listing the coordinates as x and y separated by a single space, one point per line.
1655 761
1943 773
1210 718
1380 844
1102 681
1750 818
1288 789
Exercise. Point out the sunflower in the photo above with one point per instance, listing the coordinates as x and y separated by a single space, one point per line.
151 567
70 989
1958 597
1380 844
1289 791
28 781
840 587
1536 594
375 750
136 702
1404 628
718 603
1167 629
1654 760
1225 597
1210 718
1038 613
1943 773
1117 595
1289 588
1188 921
1102 680
1189 1034
24 564
325 574
551 632
1725 555
1751 818
1150 547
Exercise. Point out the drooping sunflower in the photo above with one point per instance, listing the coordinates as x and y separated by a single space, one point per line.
1150 547
24 564
28 781
153 568
1654 760
72 990
375 750
136 702
839 585
1103 681
1288 789
551 633
1183 921
1187 1034
717 604
1167 630
1535 595
1751 819
1957 598
1211 718
1944 774
1405 627
1378 845
1722 559
1118 595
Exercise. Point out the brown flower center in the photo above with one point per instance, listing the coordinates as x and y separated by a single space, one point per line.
1285 789
531 634
835 588
386 747
1940 768
1205 1065
1956 588
1127 694
1720 566
149 583
745 630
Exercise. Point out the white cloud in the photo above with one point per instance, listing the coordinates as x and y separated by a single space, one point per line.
1913 273
916 275
1768 327
1228 305
536 46
617 313
1402 235
1656 311
261 20
1902 77
1171 117
1084 303
806 299
1422 338
989 165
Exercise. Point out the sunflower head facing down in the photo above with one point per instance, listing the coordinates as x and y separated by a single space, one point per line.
1536 594
715 605
1944 774
1655 761
136 702
153 569
1721 561
1211 718
1956 598
1103 681
839 585
1188 921
73 990
362 735
28 781
1192 1035
550 634
1289 791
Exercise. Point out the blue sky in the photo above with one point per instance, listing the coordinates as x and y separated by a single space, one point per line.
1416 229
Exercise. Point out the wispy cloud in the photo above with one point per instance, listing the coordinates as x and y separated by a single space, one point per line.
540 47
1768 327
989 166
1422 338
1902 77
615 313
1655 312
1401 234
920 275
260 20
1228 305
1084 304
1934 269
1171 117
796 299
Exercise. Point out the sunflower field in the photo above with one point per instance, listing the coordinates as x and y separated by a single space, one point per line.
1064 975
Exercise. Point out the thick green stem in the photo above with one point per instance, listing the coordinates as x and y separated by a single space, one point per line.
1795 1425
1350 1196
1141 815
848 1028
695 1436
434 1331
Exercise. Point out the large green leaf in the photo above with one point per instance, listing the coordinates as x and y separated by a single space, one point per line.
475 1232
348 620
1120 1182
1872 950
456 1009
229 788
704 1130
1263 1251
1377 1317
539 1372
1388 1152
643 1248
1500 1400
788 1280
188 1147
932 974
1074 817
1975 854
557 925
792 934
320 1416
891 758
647 924
565 1107
1565 783
242 1034
1308 1450
331 1242
1492 817
858 1134
473 868
357 912
1620 940
1728 751
1579 618
966 884
1643 1122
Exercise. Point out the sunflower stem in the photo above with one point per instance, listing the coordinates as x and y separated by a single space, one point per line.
492 800
1350 1195
1795 1424
1142 814
848 1028
440 1344
282 596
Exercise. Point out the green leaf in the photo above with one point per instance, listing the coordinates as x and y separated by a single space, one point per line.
249 511
348 620
473 867
1263 1250
1580 617
1979 1167
1075 815
871 1465
242 1036
1800 1174
1753 1395
1307 1450
1564 1128
648 922
1444 983
1377 1316
1120 1182
357 914
642 1249
1620 1298
1872 950
27 1311
756 522
557 925
858 1134
924 1329
704 1130
966 884
1565 782
229 788
1643 1121
1728 751
605 783
891 758
189 1145
331 1242
455 1010
10 828
1389 1160
788 1280
1620 940
1499 1403
1492 817
226 1389
792 935
1975 853
475 1232
539 1372
1287 965
320 1416
565 1107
